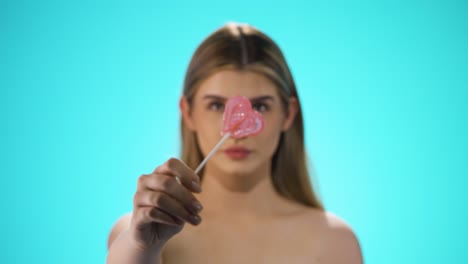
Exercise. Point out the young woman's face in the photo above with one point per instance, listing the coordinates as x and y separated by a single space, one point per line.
247 155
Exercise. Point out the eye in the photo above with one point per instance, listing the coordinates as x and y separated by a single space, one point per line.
260 107
216 106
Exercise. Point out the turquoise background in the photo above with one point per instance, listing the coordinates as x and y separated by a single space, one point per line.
88 102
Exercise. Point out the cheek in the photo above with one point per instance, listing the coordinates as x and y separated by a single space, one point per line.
208 128
269 138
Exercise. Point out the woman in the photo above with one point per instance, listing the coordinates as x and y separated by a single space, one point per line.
252 202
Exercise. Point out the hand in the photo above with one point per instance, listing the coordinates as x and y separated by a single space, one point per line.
162 204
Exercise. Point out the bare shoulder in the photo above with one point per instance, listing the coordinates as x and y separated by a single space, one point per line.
340 244
120 225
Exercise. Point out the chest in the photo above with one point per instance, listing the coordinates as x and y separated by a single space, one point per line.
224 243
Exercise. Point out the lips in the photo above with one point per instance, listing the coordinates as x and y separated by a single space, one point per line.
237 152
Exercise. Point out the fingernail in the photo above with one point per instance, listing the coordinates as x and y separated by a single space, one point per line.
194 219
196 186
197 206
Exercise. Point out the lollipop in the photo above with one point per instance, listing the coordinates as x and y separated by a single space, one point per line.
239 120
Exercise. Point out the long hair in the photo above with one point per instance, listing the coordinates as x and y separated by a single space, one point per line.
244 47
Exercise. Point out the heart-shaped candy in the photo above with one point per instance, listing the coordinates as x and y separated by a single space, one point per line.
252 125
235 111
240 119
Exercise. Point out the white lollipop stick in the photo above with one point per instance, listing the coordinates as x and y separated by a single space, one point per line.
226 136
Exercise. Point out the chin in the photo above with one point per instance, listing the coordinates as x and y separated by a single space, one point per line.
238 167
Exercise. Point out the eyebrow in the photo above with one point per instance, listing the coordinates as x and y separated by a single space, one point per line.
253 99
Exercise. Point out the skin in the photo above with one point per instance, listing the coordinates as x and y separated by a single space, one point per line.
243 219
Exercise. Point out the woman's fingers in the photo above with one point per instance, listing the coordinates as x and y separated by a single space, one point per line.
162 205
161 198
159 215
170 186
178 169
148 214
166 204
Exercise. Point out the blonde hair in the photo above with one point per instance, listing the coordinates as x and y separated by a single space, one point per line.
243 47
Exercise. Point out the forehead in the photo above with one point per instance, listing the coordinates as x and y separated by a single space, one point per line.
228 83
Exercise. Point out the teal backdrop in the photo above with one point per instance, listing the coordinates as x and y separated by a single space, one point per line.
89 101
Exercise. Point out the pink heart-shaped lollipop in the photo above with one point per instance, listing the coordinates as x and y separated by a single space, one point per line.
240 119
252 125
235 111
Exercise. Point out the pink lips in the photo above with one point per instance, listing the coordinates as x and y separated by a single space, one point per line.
237 152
